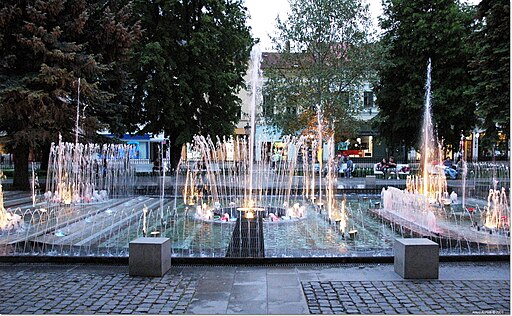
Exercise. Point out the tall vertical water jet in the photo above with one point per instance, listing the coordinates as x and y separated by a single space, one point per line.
412 203
255 76
428 132
33 185
3 213
320 152
464 171
77 113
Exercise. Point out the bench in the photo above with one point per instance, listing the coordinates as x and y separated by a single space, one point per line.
401 170
149 256
341 170
143 168
437 169
416 258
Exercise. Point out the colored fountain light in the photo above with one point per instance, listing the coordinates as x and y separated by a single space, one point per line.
414 203
426 208
224 181
343 220
229 198
497 212
83 173
249 214
8 220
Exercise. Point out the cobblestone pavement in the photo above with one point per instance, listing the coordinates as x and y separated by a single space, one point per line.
54 289
46 288
408 297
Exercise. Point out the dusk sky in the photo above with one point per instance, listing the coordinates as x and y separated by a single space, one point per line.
264 13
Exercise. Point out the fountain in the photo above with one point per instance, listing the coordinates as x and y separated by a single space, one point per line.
426 209
83 173
9 221
223 181
227 203
497 212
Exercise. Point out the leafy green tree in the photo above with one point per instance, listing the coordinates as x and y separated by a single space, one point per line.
490 70
45 46
324 56
189 68
415 31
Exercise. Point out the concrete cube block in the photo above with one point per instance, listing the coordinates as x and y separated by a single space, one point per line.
149 256
416 258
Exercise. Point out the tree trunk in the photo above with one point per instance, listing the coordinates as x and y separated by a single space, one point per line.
45 155
175 155
21 174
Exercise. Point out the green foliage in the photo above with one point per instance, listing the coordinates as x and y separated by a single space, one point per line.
415 31
324 58
45 46
490 69
189 68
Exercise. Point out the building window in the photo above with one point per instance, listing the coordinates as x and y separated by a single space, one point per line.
368 99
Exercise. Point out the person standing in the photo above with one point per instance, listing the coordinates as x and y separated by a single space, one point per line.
350 165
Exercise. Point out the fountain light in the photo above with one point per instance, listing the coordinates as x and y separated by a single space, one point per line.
352 233
250 211
342 218
497 211
8 220
225 217
190 201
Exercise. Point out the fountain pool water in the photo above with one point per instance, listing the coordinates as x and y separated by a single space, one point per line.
106 228
225 203
204 217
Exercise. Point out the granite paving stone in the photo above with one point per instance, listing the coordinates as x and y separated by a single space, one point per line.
410 300
232 289
91 291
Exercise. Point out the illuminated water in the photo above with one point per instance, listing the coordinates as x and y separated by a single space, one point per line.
105 229
88 212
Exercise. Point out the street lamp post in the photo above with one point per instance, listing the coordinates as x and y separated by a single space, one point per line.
247 129
476 135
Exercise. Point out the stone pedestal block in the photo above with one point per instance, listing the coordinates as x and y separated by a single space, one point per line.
416 258
370 182
149 256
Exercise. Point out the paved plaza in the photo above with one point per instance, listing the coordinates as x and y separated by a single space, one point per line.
50 288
